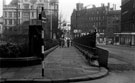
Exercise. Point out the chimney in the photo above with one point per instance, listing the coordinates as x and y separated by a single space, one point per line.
93 6
102 5
115 6
79 6
108 5
4 2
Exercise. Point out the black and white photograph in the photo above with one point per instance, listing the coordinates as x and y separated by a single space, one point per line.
67 41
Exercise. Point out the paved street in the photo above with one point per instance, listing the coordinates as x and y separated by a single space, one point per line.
124 53
62 63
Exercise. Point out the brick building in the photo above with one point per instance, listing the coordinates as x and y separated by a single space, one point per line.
128 22
85 20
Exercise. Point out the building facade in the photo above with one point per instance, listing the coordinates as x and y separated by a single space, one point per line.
19 12
113 27
103 19
85 20
128 22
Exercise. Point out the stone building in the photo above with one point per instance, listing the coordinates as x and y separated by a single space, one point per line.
20 14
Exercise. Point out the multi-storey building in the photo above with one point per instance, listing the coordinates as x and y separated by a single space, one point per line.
85 20
128 22
113 26
104 19
9 16
21 13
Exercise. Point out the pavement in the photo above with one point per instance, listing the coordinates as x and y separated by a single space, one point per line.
61 65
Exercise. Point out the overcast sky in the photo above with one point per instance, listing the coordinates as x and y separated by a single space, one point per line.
66 6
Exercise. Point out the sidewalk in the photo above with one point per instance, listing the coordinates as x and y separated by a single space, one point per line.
63 64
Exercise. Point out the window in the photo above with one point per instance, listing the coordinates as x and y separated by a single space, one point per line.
13 22
97 12
32 7
14 14
99 23
26 6
5 14
10 21
18 14
10 14
32 14
97 18
19 6
40 5
26 14
103 18
6 22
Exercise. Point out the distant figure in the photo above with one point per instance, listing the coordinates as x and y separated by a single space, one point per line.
62 42
65 42
130 43
68 42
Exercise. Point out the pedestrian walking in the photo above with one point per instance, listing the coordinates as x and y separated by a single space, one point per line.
62 42
68 42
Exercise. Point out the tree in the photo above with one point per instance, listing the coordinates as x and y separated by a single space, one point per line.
61 20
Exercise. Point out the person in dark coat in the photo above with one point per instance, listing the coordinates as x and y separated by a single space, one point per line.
68 42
